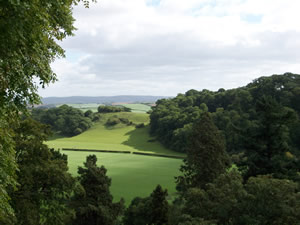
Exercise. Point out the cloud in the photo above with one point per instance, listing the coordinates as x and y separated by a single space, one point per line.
169 46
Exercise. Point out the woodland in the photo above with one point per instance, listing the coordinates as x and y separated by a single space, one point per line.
241 145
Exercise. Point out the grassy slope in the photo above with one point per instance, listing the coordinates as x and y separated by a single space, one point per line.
119 137
132 175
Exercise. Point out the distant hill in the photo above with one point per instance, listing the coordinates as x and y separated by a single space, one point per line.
101 99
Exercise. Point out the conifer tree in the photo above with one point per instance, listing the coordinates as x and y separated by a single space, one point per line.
206 155
267 143
150 210
159 206
94 204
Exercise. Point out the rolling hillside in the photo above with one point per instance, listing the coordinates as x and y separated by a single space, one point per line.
132 175
119 137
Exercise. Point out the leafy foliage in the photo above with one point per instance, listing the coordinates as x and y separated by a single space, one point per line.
269 140
44 182
65 119
149 210
206 155
111 109
233 111
262 200
30 31
93 203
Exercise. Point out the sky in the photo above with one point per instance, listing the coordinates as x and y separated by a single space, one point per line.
166 47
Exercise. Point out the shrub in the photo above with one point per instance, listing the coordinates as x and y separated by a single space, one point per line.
113 121
140 125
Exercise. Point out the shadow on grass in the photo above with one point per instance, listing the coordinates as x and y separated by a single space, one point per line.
139 139
55 136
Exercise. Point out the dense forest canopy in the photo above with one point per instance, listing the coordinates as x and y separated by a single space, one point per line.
29 42
64 119
236 112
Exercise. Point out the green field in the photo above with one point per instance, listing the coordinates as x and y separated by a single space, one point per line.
120 137
137 108
132 175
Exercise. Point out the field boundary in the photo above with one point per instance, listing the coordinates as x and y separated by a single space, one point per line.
123 152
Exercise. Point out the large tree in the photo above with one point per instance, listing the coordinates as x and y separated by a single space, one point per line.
44 182
94 203
152 210
268 148
30 33
206 155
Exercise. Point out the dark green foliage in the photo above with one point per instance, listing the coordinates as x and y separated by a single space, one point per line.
93 203
268 141
65 119
262 200
96 117
89 113
112 121
116 120
125 121
112 109
30 33
45 184
151 210
233 111
219 202
159 206
270 201
138 212
140 125
206 155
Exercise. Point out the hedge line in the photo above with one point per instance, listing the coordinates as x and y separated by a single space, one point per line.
125 152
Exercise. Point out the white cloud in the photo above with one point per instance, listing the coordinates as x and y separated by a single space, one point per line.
170 46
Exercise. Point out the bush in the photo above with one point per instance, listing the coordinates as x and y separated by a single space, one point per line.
112 109
96 117
140 125
113 121
77 131
125 121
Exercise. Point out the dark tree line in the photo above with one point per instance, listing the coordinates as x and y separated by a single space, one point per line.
211 192
236 112
112 109
64 119
48 194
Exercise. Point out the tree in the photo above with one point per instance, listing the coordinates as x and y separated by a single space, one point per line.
64 119
206 155
219 202
44 182
268 140
262 200
138 212
30 31
94 203
150 210
269 201
159 206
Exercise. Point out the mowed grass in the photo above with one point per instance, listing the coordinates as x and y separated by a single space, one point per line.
132 175
137 108
119 137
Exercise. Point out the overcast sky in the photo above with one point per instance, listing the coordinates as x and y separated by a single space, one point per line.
165 47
